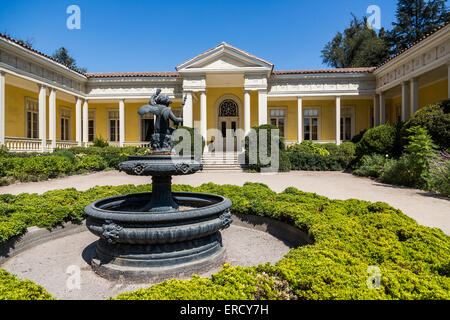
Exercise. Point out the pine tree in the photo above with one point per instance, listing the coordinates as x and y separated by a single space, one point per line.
415 19
358 46
62 55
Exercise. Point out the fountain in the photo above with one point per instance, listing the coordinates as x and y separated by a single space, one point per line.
159 234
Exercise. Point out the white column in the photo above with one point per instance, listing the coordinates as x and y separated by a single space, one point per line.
300 119
203 116
376 110
414 91
121 122
338 120
78 128
382 108
262 107
2 107
52 117
246 112
43 117
187 111
85 122
405 101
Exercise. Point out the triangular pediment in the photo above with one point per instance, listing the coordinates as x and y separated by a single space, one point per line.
224 57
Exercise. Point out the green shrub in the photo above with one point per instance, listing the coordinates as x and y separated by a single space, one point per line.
371 166
3 151
436 120
313 162
309 147
100 142
400 172
37 168
112 155
90 163
283 159
347 237
326 157
439 176
380 140
65 153
420 148
357 138
12 288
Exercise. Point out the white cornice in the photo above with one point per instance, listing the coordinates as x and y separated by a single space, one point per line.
416 50
8 45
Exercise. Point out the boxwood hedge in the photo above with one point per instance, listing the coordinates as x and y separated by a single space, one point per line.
348 237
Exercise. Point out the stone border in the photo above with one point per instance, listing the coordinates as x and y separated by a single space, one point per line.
35 236
291 235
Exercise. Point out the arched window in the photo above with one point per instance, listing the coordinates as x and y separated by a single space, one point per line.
228 108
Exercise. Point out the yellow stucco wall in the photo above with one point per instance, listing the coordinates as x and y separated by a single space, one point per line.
433 93
15 110
15 115
427 95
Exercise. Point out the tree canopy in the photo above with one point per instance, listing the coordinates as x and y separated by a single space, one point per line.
62 55
358 46
415 19
361 46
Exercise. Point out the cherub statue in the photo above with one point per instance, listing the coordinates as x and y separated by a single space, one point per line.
159 107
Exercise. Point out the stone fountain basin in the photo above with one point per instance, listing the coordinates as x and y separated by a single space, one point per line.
160 165
138 244
119 220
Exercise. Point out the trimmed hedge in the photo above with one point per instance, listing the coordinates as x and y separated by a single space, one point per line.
348 237
384 139
12 288
26 167
321 157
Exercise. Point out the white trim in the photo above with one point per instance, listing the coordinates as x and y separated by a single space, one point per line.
121 122
43 117
247 112
338 120
52 117
85 122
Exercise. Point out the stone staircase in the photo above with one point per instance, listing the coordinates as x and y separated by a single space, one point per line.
222 161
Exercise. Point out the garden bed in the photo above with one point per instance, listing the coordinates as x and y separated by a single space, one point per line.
347 238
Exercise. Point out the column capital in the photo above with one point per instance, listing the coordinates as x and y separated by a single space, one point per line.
2 73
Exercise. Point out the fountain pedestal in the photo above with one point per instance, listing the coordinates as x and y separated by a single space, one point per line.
147 236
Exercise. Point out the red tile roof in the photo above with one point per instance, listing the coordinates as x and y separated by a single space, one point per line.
23 45
132 74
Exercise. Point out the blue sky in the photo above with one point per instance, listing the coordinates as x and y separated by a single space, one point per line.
139 35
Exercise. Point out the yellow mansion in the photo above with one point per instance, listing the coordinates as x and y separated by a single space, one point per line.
45 104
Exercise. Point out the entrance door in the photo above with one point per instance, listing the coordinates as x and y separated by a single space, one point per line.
228 127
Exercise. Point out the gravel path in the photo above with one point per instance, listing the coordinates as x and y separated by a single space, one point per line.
424 207
52 264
